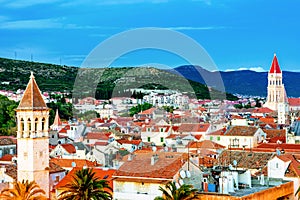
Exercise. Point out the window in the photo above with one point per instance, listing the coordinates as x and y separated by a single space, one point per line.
52 136
149 139
276 165
41 153
25 155
57 179
218 138
161 129
87 141
161 139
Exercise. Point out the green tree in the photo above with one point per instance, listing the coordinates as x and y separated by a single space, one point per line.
85 186
140 107
171 192
7 116
24 190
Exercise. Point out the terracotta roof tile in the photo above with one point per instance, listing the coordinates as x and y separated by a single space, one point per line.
263 110
123 141
206 144
245 159
70 148
67 163
193 127
7 157
7 141
275 134
99 173
166 166
32 97
55 168
294 101
96 135
241 131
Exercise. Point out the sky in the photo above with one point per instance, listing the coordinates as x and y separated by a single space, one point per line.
236 34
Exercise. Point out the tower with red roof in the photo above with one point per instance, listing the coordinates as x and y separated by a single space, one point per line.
276 90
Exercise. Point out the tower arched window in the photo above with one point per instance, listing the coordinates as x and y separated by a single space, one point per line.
36 124
29 124
21 125
43 124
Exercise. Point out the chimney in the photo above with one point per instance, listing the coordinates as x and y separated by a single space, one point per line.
130 157
154 159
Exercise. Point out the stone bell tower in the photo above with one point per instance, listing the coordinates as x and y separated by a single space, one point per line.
32 137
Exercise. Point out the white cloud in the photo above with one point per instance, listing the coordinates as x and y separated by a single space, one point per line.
27 3
256 69
50 23
178 28
32 24
109 2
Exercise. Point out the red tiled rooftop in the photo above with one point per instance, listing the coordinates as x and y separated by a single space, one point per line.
70 148
241 131
96 135
99 173
294 101
67 163
149 111
283 146
267 119
207 144
218 132
100 143
167 165
262 110
193 127
135 142
7 157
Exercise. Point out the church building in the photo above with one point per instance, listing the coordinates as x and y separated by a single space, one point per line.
276 91
32 137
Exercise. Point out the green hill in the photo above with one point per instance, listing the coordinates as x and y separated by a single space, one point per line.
103 83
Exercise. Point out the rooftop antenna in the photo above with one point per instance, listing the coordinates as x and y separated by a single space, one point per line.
15 55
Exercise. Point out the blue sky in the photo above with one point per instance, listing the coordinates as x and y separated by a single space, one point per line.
237 34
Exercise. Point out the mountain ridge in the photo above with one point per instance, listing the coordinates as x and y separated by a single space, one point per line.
245 82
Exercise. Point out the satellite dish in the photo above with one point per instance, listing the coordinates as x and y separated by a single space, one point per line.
166 149
154 148
180 182
73 164
262 179
188 174
234 163
182 174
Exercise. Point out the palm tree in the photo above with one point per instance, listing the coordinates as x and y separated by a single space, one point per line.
297 192
85 186
24 190
171 192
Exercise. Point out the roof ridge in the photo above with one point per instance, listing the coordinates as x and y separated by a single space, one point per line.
32 97
275 68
